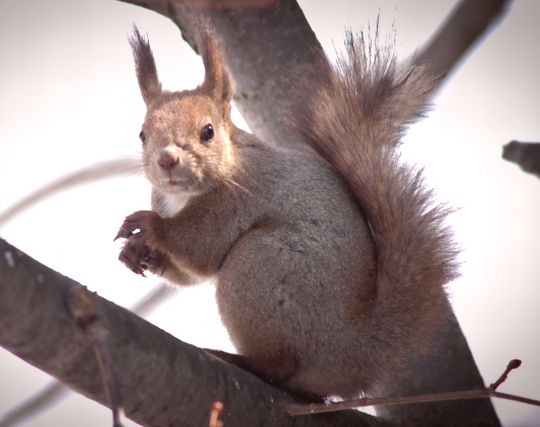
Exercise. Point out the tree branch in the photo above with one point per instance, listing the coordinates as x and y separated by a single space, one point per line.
92 173
524 154
35 404
54 392
467 23
162 380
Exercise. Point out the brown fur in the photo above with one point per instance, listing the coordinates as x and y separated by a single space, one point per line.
327 285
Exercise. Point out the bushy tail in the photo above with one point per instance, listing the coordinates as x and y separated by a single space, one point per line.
356 122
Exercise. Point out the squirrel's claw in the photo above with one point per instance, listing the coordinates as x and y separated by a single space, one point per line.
134 255
118 235
136 221
126 230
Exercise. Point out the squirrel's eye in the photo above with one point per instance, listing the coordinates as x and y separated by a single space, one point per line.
142 136
207 133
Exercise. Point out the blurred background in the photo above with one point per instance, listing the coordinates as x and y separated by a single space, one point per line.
69 98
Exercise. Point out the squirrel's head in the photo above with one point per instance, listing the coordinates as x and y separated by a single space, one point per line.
186 135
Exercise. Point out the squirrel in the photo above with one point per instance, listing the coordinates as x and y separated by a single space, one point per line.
329 263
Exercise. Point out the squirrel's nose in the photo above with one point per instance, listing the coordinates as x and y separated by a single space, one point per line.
167 160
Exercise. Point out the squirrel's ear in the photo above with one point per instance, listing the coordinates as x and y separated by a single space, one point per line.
145 67
217 82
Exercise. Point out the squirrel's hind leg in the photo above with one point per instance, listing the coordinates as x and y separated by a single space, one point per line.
276 375
275 369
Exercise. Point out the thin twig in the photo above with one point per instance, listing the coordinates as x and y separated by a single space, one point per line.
42 400
95 172
84 308
106 367
524 154
459 33
317 408
513 364
152 299
515 398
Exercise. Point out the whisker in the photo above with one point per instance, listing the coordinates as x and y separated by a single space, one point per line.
237 185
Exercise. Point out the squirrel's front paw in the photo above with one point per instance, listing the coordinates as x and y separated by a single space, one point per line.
138 257
135 254
140 220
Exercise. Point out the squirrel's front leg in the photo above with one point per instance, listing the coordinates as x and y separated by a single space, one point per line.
192 243
137 253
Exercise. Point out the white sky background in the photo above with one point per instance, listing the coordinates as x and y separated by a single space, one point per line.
69 98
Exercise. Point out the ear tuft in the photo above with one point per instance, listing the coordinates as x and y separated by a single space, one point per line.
145 67
217 82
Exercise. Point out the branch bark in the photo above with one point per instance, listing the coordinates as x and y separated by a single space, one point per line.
162 380
54 392
262 47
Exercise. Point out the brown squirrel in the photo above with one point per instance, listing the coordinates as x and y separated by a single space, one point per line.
329 266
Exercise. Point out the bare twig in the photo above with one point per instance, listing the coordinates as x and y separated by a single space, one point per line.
215 411
29 408
107 370
513 364
515 398
466 24
83 305
524 154
488 392
151 300
95 172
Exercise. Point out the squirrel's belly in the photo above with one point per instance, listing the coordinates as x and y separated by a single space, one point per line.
271 303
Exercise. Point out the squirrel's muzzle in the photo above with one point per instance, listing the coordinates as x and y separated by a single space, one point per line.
168 160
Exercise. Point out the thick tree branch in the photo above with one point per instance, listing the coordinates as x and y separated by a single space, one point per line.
468 22
162 381
262 48
54 392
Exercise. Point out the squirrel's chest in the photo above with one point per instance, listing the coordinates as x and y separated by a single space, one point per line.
168 205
